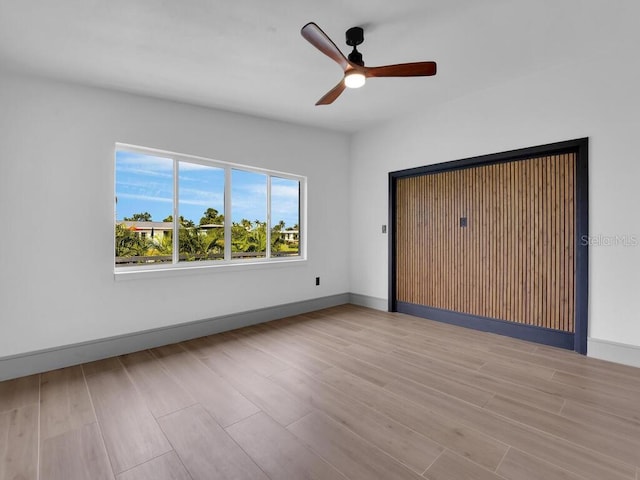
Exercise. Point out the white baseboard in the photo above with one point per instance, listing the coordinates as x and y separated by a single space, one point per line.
613 351
370 302
67 355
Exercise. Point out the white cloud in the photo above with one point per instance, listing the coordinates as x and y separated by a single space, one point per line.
150 198
285 192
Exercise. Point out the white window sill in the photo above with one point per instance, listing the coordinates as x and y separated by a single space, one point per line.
163 271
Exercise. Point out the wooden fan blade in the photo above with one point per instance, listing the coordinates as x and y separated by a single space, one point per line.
416 69
316 37
332 94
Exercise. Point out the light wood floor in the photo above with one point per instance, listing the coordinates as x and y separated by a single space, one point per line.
344 393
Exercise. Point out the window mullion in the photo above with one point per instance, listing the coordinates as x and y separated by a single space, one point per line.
268 226
301 219
227 213
176 217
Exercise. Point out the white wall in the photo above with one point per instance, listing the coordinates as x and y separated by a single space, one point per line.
57 284
593 96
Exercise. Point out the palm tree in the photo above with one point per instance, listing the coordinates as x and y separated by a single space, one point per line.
128 243
161 246
212 217
277 242
138 217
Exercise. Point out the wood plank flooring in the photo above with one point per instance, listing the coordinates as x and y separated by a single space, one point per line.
342 393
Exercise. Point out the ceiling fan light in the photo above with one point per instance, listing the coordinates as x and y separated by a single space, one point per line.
354 80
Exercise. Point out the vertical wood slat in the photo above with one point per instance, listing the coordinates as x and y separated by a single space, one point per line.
571 244
513 261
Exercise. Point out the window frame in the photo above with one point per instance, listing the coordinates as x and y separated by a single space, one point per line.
228 261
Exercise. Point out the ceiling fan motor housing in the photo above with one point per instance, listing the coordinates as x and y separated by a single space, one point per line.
355 36
356 57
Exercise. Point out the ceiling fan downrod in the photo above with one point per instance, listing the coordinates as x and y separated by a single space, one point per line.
354 37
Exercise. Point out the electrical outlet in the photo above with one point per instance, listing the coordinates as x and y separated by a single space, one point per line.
317 281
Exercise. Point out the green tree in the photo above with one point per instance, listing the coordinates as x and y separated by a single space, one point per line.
258 237
212 217
184 222
128 243
194 243
215 241
277 241
239 235
139 217
249 237
161 246
190 242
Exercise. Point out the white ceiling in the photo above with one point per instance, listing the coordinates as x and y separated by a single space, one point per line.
248 56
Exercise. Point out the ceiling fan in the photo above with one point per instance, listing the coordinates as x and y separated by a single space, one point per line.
355 73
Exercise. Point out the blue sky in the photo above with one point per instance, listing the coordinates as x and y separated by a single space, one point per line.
144 183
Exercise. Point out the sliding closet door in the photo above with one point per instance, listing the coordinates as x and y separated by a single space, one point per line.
490 243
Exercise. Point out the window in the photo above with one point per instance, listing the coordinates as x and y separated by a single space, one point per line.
222 213
285 216
201 212
248 214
